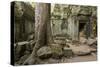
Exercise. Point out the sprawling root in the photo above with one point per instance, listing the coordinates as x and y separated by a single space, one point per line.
32 58
29 61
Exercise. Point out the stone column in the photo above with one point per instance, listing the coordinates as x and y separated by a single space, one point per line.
73 27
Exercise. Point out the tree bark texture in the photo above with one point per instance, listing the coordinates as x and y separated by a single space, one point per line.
42 29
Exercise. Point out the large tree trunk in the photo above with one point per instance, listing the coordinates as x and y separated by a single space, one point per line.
48 30
42 20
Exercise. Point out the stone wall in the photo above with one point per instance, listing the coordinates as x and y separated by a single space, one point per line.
24 20
73 14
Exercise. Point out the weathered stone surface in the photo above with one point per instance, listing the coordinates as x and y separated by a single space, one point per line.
59 41
67 52
31 37
85 10
81 50
18 9
94 11
83 40
91 41
22 43
93 49
22 8
68 41
56 50
60 38
44 52
75 10
75 42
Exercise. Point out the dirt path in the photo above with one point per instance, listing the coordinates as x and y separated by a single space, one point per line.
82 58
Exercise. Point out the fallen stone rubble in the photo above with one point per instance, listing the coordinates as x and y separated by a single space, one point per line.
54 53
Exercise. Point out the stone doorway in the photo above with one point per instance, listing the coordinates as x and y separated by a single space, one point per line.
82 27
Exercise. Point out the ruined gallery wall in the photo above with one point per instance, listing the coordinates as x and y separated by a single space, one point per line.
71 15
24 20
64 19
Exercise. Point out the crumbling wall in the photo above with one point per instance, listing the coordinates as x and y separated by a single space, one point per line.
24 20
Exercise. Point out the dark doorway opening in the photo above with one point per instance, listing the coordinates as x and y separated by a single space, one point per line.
82 26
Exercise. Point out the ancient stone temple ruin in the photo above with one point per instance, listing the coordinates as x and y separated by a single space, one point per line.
69 20
24 21
68 33
73 21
